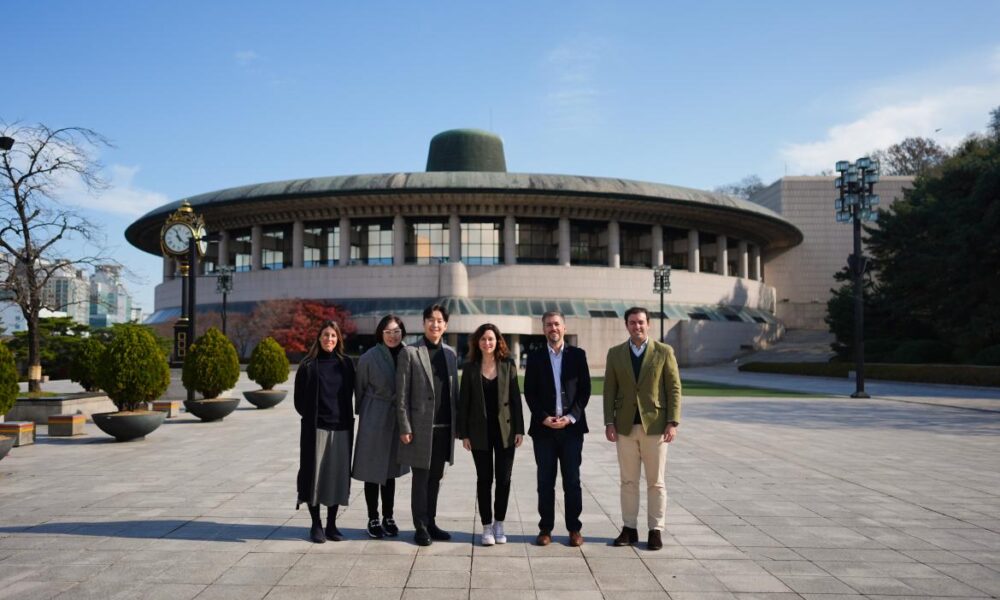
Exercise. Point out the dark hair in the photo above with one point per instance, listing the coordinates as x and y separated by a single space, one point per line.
636 310
429 312
338 349
380 328
553 313
476 355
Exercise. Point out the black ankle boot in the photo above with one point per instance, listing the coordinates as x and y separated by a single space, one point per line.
332 533
316 531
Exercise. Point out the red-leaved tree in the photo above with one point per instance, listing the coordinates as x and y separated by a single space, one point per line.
303 326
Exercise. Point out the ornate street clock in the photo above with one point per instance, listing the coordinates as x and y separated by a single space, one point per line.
175 241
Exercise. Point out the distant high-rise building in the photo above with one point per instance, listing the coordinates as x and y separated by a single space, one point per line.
110 301
68 290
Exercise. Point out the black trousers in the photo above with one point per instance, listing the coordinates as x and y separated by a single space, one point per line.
388 498
561 450
427 482
497 461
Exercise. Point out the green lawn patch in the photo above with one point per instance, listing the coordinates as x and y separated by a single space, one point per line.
37 395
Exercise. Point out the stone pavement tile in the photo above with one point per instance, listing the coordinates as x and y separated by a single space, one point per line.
635 595
544 580
107 590
604 550
368 576
326 576
438 579
937 556
895 539
268 559
435 594
977 576
508 549
447 549
252 576
621 566
836 596
627 582
878 585
716 552
684 576
877 569
500 594
334 561
131 572
558 548
732 567
752 582
563 594
985 557
939 586
767 596
167 591
357 593
390 546
558 564
700 595
792 567
69 573
35 590
234 592
507 564
815 584
747 535
517 580
442 563
831 554
300 546
297 592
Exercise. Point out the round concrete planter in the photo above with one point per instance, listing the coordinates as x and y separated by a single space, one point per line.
265 398
211 409
6 443
126 427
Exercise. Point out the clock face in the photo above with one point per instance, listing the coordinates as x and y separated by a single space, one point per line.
176 238
202 243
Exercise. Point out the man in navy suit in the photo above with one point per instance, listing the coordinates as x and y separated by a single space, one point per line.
557 389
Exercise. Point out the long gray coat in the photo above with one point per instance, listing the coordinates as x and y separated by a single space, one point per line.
377 441
415 402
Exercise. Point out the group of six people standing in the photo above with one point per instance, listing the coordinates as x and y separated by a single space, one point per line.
411 408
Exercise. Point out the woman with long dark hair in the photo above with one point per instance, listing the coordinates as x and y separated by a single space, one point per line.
378 427
490 424
324 387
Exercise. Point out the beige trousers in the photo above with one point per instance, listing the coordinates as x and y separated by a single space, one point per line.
650 452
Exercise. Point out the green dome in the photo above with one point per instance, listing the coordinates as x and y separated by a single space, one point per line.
466 150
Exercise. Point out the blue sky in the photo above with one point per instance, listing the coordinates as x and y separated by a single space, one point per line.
198 96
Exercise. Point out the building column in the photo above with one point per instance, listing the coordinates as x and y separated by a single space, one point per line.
515 348
398 240
722 255
169 268
694 252
509 240
744 259
657 245
256 247
345 241
614 245
564 241
757 273
223 248
454 238
298 243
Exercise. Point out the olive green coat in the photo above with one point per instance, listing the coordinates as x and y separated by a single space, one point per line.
471 421
657 391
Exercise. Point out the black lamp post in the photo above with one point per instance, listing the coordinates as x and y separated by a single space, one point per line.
661 285
857 203
224 285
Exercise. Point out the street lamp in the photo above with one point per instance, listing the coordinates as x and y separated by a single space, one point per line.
224 285
661 285
857 203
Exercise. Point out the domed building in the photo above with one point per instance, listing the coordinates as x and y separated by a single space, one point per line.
495 247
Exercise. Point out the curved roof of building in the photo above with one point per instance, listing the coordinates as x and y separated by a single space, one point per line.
762 224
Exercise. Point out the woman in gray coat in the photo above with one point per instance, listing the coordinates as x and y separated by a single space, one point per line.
378 430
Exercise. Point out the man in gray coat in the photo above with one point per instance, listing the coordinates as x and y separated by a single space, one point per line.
426 400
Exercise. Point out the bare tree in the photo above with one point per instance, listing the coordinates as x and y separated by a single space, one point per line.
36 163
746 187
912 156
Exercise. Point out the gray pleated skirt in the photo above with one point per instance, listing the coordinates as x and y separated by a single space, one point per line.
332 478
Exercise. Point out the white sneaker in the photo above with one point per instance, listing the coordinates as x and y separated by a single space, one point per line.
498 534
488 539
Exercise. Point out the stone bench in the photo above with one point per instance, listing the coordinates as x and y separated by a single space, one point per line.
66 425
171 407
23 432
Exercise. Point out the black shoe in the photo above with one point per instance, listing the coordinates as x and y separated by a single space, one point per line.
389 527
655 541
375 530
628 537
332 533
437 533
316 534
421 536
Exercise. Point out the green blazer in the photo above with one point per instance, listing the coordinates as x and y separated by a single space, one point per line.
657 391
471 421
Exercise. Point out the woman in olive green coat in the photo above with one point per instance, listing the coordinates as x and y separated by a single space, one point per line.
490 423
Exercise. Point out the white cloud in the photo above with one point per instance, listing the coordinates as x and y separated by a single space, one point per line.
245 58
573 97
121 197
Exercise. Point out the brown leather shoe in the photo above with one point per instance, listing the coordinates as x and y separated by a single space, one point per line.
654 542
544 538
575 539
628 537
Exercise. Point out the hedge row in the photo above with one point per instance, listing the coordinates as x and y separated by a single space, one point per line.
948 374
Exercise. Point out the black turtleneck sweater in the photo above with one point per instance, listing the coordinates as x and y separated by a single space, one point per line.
333 407
442 387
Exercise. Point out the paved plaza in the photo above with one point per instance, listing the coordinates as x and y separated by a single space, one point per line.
818 497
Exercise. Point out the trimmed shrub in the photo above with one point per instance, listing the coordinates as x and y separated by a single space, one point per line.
85 362
268 364
878 349
988 356
211 365
8 380
918 352
132 370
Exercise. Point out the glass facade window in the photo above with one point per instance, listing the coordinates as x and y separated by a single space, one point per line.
708 259
588 243
636 245
320 244
537 241
239 249
482 243
675 247
210 262
276 247
427 241
371 242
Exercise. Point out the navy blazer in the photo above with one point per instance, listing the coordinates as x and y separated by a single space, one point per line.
540 388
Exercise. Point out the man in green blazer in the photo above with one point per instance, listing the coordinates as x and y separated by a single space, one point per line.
642 409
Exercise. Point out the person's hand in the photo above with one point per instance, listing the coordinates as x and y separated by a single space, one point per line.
550 422
670 434
611 433
467 444
518 438
406 438
562 422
